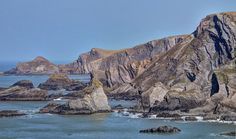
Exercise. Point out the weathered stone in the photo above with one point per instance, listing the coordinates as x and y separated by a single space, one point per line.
155 93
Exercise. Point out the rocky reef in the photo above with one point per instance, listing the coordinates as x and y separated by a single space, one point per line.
23 91
92 100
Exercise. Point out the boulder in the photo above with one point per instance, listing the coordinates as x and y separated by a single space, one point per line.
24 83
179 101
155 93
161 129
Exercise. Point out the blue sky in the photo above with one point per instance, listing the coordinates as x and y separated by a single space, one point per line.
60 30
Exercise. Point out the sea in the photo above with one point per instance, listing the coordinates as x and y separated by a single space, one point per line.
112 125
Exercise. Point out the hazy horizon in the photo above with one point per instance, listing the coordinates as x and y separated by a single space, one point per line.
60 30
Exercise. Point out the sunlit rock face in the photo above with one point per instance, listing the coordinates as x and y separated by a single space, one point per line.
122 66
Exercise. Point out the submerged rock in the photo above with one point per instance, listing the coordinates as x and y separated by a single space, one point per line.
168 115
190 118
11 113
232 133
161 129
228 117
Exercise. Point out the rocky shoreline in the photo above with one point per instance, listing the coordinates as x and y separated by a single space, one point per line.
187 78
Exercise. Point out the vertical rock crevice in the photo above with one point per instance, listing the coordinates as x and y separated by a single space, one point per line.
214 85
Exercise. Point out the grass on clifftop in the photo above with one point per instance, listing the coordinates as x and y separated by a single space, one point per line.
96 83
59 77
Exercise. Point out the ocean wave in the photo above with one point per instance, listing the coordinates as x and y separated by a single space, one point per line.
32 111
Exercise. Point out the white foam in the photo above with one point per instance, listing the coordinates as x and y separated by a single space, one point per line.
125 113
58 99
199 118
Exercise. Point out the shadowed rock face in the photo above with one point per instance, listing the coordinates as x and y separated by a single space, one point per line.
39 65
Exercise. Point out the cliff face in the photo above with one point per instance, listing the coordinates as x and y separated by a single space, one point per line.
118 67
200 72
83 65
39 65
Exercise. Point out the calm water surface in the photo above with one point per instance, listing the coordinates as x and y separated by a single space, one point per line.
97 126
6 81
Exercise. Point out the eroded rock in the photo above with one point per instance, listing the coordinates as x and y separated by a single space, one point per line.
93 101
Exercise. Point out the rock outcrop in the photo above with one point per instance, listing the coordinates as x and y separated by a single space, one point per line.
23 91
94 100
39 65
115 67
23 94
61 81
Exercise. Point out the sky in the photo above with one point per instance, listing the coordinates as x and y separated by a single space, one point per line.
60 30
